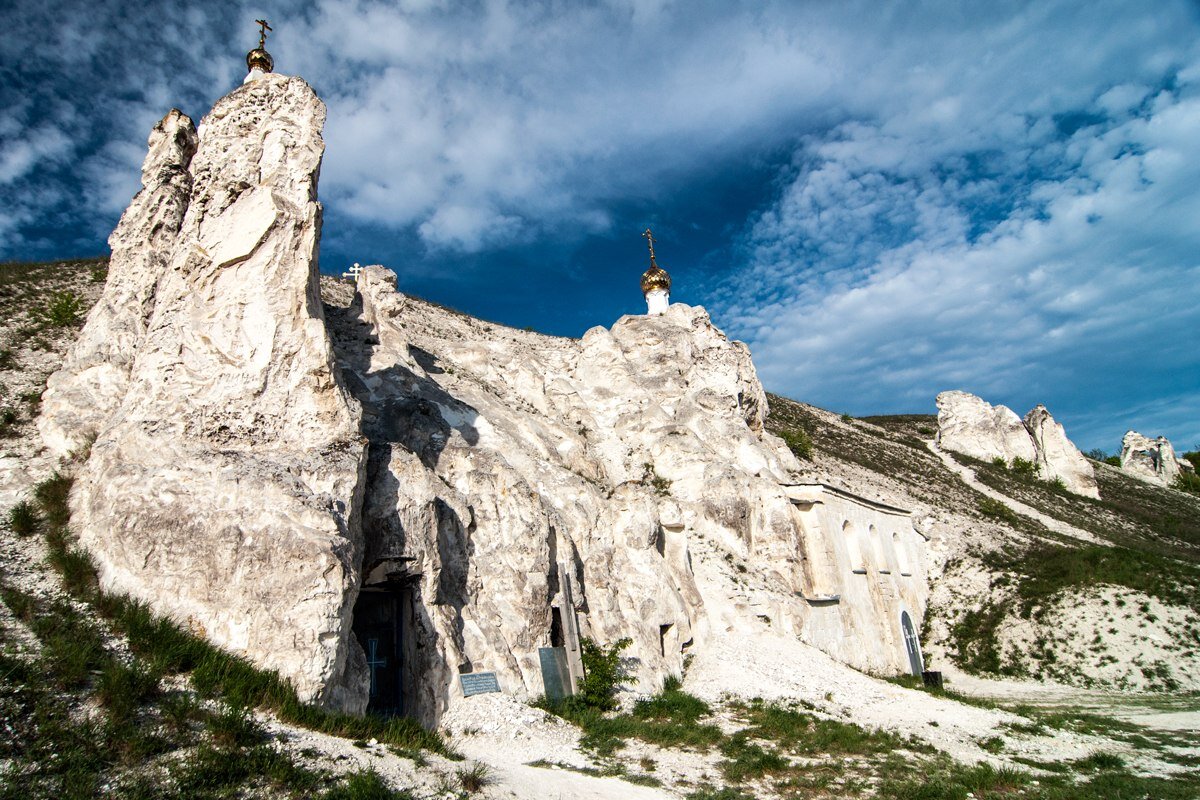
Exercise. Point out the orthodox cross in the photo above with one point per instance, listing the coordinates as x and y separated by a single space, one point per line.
263 27
353 272
649 237
374 662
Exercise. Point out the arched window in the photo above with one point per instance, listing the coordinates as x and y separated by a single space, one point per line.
901 554
881 562
854 548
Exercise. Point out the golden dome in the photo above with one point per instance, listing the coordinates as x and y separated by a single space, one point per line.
655 278
259 58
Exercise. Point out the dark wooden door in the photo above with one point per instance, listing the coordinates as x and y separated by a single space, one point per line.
377 626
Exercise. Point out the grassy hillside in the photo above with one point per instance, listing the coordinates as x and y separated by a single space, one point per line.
1147 546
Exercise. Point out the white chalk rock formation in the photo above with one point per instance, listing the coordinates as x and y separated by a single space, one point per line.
380 501
95 377
631 464
1057 456
1149 459
973 427
225 489
970 425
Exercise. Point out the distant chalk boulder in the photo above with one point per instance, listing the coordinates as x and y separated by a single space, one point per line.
970 425
1150 459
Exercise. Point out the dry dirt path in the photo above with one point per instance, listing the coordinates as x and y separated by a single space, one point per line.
968 476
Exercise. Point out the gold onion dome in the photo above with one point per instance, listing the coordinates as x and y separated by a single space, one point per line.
259 58
655 278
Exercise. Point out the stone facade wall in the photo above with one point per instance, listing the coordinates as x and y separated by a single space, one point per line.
868 556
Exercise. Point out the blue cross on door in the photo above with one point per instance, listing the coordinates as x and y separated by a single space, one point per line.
374 662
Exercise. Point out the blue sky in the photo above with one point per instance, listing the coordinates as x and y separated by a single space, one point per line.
884 200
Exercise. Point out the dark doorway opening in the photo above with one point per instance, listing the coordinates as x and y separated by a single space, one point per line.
916 664
382 623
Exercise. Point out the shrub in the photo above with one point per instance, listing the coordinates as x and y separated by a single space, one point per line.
603 674
53 495
62 310
799 442
1113 461
1187 482
8 418
1023 468
994 509
24 519
364 786
123 688
748 760
234 727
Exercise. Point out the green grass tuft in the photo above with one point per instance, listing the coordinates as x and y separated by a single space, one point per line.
24 519
367 785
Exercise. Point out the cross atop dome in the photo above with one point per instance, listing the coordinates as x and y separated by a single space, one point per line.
258 60
656 283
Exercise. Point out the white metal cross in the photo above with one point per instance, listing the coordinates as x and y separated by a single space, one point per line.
353 272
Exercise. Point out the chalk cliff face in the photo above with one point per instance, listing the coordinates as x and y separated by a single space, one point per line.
274 479
970 425
224 484
1057 456
634 457
96 376
1149 459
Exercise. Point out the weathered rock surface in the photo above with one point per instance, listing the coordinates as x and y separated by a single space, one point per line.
1057 456
970 425
94 379
632 463
1150 459
225 487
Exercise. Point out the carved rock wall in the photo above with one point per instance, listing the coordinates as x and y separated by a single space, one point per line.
257 466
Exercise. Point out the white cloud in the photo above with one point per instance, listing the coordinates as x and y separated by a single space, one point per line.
1089 273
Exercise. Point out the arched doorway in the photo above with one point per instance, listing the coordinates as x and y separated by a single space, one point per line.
916 663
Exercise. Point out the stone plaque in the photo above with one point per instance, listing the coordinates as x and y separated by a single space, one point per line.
479 683
556 677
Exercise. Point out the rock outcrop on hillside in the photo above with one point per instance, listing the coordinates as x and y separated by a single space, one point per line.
974 427
90 386
1057 456
224 485
970 425
1149 459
